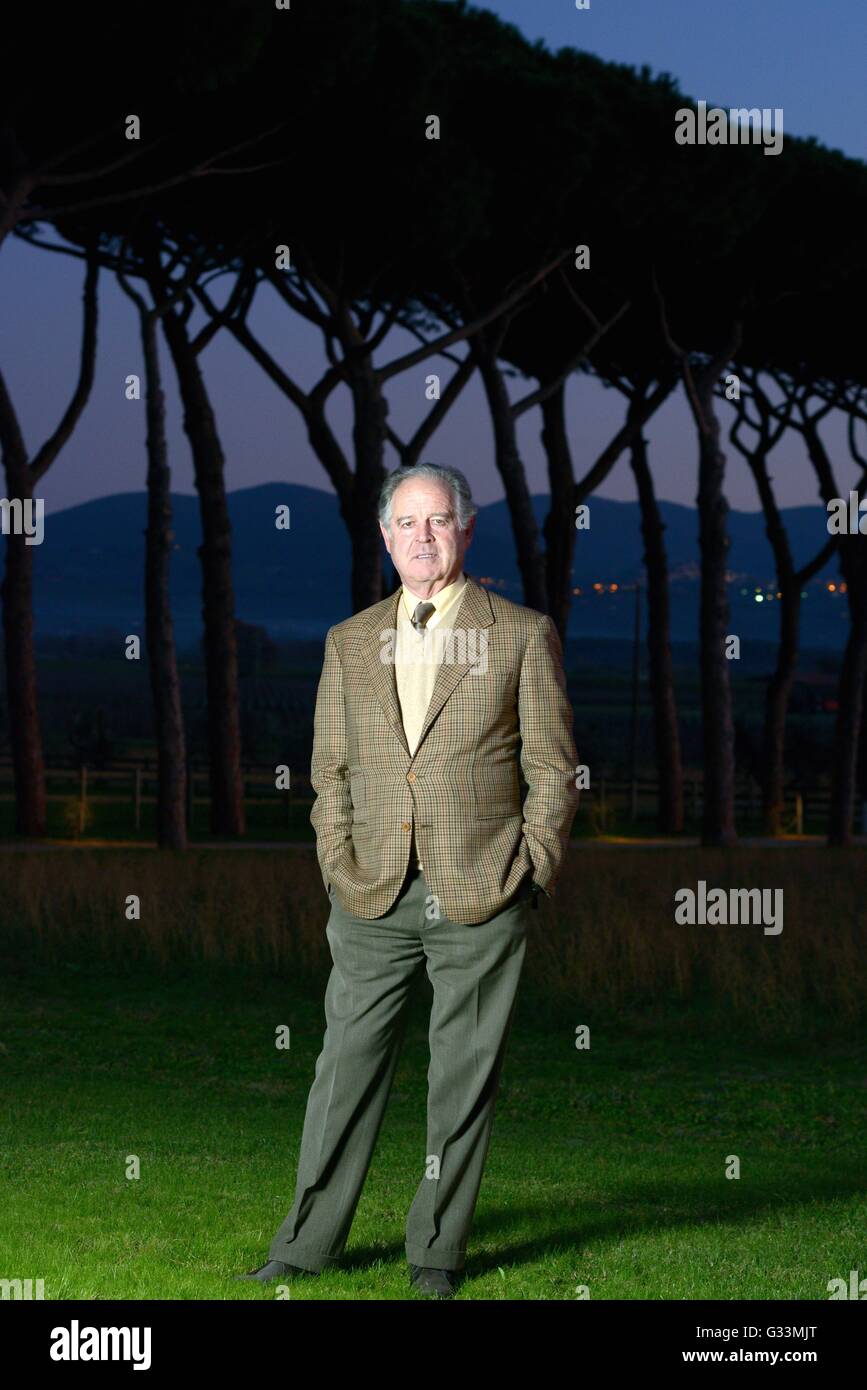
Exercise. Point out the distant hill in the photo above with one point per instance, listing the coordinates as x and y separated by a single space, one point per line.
89 571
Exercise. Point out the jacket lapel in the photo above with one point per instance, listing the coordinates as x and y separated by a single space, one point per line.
472 613
380 673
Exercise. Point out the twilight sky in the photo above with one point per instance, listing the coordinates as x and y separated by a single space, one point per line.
806 56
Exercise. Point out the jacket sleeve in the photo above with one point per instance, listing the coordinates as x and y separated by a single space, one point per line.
548 759
331 815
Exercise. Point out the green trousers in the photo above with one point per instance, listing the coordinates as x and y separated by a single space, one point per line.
474 971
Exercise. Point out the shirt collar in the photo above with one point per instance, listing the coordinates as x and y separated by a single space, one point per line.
440 601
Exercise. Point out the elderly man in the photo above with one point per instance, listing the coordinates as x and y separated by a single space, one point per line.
426 704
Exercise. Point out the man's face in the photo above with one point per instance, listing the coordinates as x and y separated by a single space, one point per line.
424 540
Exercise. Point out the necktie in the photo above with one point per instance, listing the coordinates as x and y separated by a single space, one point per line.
421 615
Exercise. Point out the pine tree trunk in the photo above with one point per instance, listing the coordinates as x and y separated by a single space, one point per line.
777 706
370 410
773 765
162 655
531 563
852 550
25 736
559 526
669 816
718 741
850 693
218 603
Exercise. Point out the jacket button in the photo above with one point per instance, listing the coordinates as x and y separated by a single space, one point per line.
410 776
406 826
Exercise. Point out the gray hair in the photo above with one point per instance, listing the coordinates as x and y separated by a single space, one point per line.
451 478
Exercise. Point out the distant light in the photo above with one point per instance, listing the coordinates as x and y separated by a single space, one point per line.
612 588
598 587
760 598
832 588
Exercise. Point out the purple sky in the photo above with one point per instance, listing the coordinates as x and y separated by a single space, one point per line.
806 56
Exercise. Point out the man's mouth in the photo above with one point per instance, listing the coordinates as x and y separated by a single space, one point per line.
425 555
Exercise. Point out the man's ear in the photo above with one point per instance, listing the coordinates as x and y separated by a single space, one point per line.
385 537
469 531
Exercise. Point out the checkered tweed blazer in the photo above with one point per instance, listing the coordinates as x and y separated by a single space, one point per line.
460 791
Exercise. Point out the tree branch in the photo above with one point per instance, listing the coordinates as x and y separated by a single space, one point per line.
52 446
410 451
467 330
548 388
201 170
622 439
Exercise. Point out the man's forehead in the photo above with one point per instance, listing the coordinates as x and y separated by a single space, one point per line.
411 498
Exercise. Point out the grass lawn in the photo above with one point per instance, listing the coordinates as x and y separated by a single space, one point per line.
606 1169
